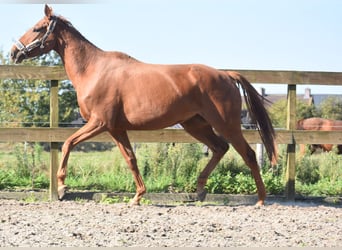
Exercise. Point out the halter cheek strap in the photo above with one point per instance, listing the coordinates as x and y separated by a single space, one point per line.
25 50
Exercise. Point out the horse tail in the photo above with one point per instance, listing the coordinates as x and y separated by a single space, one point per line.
255 106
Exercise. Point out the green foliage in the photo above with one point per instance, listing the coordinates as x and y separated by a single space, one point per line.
105 199
169 166
321 174
29 164
303 110
331 108
218 183
9 179
323 187
183 160
278 112
273 182
67 103
27 102
307 170
165 168
331 166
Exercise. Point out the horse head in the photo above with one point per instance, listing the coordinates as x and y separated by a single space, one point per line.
38 40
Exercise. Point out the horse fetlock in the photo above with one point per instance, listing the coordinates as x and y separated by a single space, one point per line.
135 201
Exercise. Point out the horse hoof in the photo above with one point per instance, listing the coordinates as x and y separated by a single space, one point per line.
61 192
133 203
260 203
201 195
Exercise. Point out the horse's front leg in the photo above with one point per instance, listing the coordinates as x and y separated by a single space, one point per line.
125 147
92 128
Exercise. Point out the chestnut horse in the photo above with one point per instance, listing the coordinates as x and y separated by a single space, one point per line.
116 93
322 125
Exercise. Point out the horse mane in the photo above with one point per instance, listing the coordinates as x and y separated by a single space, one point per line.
117 54
67 23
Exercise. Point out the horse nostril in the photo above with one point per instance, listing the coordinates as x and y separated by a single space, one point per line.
14 55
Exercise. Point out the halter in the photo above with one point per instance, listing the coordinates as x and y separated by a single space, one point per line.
25 50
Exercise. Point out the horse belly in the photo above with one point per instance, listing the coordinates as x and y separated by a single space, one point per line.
154 119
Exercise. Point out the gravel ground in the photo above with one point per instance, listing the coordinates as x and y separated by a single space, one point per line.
91 224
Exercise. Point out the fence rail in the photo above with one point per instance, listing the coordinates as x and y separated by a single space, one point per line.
166 135
254 76
290 136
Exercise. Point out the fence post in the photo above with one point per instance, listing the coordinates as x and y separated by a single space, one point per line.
53 145
259 146
291 148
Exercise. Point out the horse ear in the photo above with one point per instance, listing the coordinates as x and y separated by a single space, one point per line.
48 11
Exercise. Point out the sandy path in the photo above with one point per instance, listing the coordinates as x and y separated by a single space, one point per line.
71 223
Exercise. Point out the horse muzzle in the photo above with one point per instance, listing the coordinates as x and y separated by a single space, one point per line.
18 52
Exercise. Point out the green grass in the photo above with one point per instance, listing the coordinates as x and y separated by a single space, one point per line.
320 175
165 168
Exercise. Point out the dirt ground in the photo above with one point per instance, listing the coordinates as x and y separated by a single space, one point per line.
92 224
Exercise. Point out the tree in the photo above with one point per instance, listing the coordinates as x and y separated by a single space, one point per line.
27 102
304 110
331 108
278 112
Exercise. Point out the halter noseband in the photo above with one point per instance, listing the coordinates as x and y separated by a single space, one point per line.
25 50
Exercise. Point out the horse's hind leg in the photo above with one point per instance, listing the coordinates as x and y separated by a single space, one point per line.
121 139
202 131
242 147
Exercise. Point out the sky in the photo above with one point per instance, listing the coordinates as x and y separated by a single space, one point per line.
226 34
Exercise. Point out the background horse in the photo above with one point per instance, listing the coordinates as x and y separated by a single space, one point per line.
116 93
319 124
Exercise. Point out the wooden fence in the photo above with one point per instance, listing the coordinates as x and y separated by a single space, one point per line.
290 136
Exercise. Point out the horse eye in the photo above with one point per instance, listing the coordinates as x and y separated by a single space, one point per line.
38 29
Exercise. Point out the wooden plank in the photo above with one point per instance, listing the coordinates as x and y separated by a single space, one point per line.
291 77
165 135
61 134
32 72
254 76
317 137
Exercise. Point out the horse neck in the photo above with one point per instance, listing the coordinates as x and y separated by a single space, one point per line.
77 54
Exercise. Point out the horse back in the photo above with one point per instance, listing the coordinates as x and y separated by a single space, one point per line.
317 123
